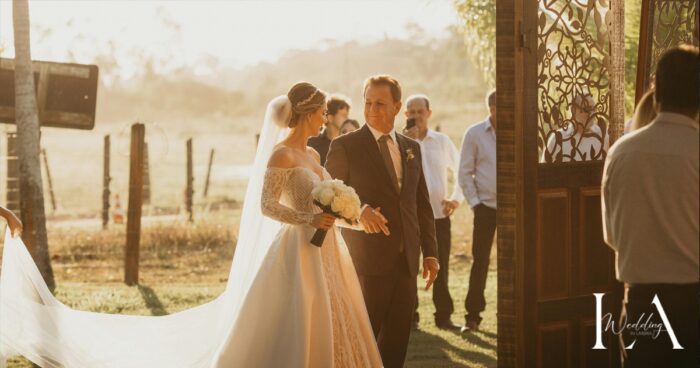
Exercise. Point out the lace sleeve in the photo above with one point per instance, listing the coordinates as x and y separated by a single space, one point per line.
275 180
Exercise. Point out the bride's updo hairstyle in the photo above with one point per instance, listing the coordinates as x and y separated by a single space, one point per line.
305 99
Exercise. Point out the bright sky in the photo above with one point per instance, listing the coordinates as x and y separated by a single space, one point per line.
188 32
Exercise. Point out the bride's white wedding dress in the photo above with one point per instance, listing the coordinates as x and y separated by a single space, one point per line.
287 302
305 309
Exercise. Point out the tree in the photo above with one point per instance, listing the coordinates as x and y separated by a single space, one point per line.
479 30
28 136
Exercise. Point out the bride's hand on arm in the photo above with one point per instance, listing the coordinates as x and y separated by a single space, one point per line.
323 221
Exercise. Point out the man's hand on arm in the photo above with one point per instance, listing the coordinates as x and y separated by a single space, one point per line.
373 221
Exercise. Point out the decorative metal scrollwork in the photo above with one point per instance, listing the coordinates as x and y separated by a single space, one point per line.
573 87
670 23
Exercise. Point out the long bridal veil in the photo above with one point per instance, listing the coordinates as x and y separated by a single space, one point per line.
35 324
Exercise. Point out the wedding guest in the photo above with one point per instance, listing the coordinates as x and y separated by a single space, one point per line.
337 110
582 138
477 178
439 156
644 113
348 126
651 219
13 222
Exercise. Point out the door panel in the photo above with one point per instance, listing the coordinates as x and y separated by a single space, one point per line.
594 260
554 342
553 234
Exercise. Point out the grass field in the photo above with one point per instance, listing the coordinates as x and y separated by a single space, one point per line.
184 265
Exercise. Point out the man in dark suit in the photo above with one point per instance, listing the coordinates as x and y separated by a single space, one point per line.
386 171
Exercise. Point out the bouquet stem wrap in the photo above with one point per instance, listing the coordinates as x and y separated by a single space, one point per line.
320 234
319 237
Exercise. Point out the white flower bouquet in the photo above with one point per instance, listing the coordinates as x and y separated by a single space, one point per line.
337 199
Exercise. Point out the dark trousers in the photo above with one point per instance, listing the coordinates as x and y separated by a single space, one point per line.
680 303
482 240
390 304
441 292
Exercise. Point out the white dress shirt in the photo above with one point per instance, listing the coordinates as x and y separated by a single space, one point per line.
439 154
585 144
477 165
650 202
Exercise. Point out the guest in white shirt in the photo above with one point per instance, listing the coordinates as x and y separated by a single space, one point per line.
651 218
477 178
439 156
582 139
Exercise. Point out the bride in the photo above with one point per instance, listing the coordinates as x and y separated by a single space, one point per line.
287 303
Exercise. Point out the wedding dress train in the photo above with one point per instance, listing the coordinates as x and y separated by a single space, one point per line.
287 303
303 309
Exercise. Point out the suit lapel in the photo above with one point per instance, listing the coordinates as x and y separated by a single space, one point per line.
403 145
372 149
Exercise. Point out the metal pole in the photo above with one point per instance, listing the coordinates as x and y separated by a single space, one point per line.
48 177
206 183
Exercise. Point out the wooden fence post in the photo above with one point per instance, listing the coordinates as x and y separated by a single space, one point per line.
206 183
105 183
133 219
189 191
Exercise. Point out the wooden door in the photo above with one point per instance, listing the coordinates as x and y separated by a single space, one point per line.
552 55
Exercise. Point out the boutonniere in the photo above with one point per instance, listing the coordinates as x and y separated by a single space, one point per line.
409 154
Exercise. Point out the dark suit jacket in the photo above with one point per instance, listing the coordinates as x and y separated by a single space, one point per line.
320 143
355 159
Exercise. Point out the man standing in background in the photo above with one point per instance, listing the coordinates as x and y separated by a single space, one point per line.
338 107
477 178
439 156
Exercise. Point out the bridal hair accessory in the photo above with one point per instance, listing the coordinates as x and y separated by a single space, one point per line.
281 111
308 99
